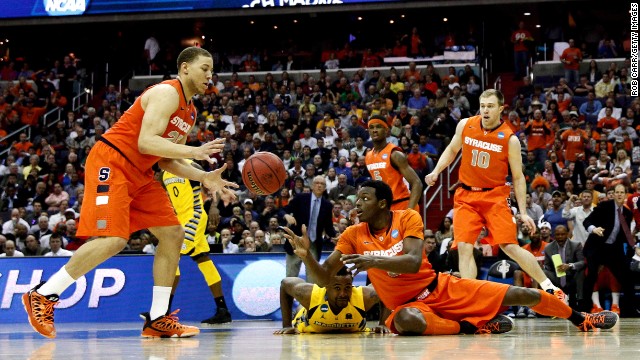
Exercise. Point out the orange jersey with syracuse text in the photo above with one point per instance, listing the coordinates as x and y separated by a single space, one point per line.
124 134
485 154
380 168
393 289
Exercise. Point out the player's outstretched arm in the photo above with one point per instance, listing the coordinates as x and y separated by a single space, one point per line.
448 155
407 263
290 288
322 273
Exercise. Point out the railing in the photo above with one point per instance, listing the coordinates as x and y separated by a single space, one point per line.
77 102
438 192
498 83
126 77
26 128
47 120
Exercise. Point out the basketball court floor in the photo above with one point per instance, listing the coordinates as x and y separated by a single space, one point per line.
531 339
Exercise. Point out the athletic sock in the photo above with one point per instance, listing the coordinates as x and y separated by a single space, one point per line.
160 301
550 305
595 298
615 298
57 283
547 284
220 303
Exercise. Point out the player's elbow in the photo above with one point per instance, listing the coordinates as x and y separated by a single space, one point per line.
144 146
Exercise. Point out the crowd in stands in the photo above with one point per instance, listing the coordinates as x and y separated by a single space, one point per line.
578 139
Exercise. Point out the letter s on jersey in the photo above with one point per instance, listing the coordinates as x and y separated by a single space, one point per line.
104 173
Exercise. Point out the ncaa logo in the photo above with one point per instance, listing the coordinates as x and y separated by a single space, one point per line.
65 7
385 156
500 135
324 308
394 233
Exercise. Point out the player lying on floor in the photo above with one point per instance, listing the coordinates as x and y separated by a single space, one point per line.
338 307
388 244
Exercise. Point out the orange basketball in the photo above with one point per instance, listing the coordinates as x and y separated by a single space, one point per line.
263 173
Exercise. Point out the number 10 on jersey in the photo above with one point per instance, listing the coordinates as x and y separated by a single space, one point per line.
480 158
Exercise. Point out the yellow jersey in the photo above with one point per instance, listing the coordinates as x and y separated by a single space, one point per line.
320 319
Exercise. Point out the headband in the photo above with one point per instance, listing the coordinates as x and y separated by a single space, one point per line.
379 122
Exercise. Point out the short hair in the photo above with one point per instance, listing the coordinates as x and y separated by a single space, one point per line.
383 191
493 92
190 54
343 271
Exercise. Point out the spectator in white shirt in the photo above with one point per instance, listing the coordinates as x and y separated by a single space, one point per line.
55 241
10 250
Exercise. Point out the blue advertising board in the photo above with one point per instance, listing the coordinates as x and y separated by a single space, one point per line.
120 288
45 8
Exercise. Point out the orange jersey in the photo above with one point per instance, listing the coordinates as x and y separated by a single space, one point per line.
573 141
539 252
393 289
124 134
485 154
380 168
538 134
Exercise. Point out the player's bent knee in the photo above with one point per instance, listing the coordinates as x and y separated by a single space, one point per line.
517 295
409 321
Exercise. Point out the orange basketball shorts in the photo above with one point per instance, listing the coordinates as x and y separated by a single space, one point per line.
120 199
473 210
475 301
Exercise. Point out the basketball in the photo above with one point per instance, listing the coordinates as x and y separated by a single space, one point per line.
263 173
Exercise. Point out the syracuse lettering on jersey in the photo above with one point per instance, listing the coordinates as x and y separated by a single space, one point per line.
482 144
180 124
376 166
395 249
574 138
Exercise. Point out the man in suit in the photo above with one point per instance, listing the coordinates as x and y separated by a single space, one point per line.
314 212
608 227
570 252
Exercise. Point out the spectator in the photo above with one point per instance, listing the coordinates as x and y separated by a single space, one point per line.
314 212
571 58
445 229
520 39
8 227
10 250
608 228
578 213
33 247
572 263
342 189
56 246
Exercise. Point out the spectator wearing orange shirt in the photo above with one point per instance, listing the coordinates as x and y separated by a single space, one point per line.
538 133
607 123
571 58
412 71
417 160
520 50
369 59
573 140
29 113
23 145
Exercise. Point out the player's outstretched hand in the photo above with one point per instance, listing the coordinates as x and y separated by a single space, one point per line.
431 179
360 262
300 244
286 331
381 329
215 183
204 151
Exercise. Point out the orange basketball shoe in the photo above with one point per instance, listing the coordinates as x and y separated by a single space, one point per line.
615 308
39 308
602 320
167 326
596 309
